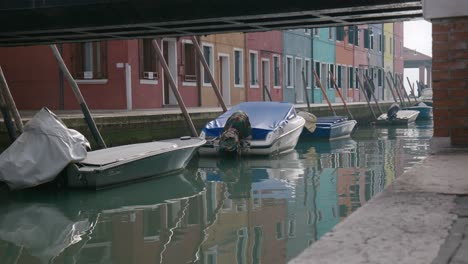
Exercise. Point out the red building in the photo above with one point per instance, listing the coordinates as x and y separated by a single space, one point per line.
122 74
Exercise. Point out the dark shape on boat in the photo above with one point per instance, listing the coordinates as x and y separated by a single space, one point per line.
235 132
396 116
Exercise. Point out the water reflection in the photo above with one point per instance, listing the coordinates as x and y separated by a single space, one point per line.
255 210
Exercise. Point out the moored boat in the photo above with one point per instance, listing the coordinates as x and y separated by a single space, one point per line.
123 164
330 127
396 116
425 111
259 128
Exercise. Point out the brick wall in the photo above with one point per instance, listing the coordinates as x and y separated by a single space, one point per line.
450 79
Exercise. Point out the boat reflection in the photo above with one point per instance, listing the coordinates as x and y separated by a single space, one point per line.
147 222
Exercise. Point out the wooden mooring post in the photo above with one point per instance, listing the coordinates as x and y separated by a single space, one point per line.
9 102
173 86
210 74
317 80
7 119
304 84
390 86
341 96
371 83
361 88
76 90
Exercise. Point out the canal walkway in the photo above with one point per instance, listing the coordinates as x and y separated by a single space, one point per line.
421 218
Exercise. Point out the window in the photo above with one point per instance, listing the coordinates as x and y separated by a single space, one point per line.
379 77
258 244
289 72
292 228
307 31
339 73
90 60
391 46
330 33
380 43
401 49
242 237
276 70
367 38
356 36
351 77
188 55
351 35
316 32
372 41
279 230
340 33
331 68
357 81
238 68
208 54
253 69
317 70
307 73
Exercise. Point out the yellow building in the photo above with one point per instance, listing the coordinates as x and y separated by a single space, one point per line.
225 54
389 51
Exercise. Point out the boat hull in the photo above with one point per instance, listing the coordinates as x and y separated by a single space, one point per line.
281 141
145 165
331 131
425 112
404 117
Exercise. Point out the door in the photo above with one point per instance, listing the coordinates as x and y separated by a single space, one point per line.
298 83
224 78
266 92
170 55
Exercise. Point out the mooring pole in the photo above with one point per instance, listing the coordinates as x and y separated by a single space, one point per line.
391 89
317 79
10 103
208 71
372 93
361 88
7 119
76 90
400 80
341 95
305 90
398 90
173 86
412 89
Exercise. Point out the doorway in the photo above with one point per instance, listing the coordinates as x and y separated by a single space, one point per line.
266 92
169 49
224 78
298 83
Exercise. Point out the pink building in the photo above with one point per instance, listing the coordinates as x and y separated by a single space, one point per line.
264 65
123 74
361 60
346 41
398 62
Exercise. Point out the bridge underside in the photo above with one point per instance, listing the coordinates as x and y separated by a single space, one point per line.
37 22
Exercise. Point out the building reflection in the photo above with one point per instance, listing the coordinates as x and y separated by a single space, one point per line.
252 210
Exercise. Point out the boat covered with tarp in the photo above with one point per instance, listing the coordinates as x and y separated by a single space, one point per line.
257 128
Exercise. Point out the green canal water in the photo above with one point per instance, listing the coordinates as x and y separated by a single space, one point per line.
256 210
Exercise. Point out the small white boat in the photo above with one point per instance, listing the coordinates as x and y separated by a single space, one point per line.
49 151
275 128
129 163
395 116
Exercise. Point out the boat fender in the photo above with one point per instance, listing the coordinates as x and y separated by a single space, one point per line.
185 138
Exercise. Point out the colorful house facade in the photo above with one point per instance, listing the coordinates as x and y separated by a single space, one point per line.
324 57
265 69
376 58
297 54
389 51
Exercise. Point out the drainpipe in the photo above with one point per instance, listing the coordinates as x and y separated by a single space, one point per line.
198 74
246 52
312 83
128 85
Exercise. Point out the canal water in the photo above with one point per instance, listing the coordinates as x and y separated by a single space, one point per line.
252 210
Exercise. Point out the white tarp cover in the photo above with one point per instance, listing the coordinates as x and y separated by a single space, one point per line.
44 149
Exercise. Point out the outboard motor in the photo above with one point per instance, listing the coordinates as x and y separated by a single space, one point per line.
392 111
235 131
